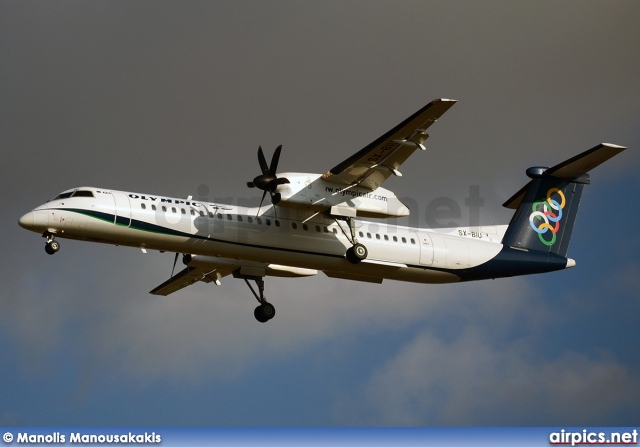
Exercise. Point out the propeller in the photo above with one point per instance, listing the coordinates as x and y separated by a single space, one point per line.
268 181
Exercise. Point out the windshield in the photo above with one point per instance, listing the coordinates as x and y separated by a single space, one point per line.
77 193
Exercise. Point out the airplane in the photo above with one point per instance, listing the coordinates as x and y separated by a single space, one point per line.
314 223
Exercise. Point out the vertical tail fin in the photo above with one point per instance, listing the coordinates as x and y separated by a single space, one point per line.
546 208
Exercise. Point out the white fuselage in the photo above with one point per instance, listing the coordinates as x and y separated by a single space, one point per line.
251 234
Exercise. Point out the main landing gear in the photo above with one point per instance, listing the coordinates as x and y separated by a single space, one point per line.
52 246
265 311
357 252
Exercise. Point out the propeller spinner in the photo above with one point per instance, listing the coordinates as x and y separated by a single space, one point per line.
268 181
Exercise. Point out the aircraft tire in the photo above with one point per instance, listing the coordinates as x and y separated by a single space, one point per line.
356 253
360 251
264 312
52 247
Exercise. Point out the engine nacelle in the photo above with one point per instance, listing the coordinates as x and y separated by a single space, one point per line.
312 192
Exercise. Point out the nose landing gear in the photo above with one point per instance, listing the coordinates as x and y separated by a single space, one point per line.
52 246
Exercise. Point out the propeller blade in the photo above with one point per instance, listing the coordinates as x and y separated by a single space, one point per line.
251 185
262 200
262 161
275 160
275 198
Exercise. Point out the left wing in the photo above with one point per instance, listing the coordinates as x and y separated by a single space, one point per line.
189 276
372 165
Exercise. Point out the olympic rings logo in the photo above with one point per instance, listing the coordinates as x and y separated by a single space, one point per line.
544 219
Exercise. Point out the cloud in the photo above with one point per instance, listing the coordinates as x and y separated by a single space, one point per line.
494 369
471 381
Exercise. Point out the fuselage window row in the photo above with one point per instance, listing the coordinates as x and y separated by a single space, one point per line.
294 225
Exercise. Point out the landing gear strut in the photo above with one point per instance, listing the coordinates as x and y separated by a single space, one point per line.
265 311
357 252
52 246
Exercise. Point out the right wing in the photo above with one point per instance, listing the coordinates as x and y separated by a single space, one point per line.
372 165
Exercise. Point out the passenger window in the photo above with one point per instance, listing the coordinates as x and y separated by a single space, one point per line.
386 238
413 241
164 208
229 217
239 218
201 213
318 228
183 211
404 240
259 221
368 235
249 219
219 216
268 222
361 234
335 231
143 206
395 239
305 227
173 209
210 215
294 225
193 213
153 207
277 223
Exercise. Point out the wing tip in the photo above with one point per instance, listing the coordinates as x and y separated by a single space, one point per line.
613 146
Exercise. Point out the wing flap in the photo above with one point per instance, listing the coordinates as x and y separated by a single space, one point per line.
187 277
351 277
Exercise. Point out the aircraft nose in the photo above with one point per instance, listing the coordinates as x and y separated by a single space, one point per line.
27 220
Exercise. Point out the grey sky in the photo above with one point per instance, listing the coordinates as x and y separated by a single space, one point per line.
163 97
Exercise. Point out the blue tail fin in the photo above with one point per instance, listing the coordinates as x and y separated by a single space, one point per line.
546 208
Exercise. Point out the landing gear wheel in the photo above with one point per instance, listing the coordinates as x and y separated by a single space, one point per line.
52 247
357 253
264 312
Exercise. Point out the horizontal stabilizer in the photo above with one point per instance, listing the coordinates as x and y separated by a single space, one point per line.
572 168
584 162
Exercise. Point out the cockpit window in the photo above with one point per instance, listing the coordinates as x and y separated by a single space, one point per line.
64 195
81 193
